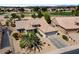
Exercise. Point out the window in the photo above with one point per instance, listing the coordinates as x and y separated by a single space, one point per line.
37 25
21 30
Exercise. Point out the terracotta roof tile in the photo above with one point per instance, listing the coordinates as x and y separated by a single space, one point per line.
68 22
27 24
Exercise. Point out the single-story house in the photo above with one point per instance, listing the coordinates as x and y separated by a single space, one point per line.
35 24
28 9
66 24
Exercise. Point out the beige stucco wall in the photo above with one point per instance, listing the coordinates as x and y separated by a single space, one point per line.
42 33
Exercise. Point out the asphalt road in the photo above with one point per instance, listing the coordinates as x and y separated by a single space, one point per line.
76 51
56 41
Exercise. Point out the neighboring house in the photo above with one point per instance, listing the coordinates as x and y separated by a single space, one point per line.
54 9
51 9
28 9
35 24
66 24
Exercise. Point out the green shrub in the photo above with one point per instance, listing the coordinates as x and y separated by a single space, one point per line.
44 8
40 14
34 15
15 35
13 24
22 15
76 13
7 23
47 18
14 15
22 44
36 8
65 37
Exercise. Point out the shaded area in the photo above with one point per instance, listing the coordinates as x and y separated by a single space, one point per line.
72 52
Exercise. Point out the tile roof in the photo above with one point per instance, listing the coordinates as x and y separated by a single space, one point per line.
68 22
27 24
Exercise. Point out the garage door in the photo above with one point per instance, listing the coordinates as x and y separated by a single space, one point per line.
50 33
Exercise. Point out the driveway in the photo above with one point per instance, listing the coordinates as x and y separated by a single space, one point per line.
57 41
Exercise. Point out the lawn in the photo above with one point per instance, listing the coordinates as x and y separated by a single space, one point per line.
1 13
61 14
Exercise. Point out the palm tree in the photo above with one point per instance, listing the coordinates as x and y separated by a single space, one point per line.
31 41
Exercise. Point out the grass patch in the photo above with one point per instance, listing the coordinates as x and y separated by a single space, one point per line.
61 14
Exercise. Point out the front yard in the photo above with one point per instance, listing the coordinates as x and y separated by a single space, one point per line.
26 44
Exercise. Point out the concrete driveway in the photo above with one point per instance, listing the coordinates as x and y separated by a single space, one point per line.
57 41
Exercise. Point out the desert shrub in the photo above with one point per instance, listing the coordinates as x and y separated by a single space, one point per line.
40 14
47 18
15 35
13 24
65 37
34 15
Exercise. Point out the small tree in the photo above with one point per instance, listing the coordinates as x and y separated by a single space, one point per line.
65 37
7 23
36 8
14 15
19 17
73 12
13 24
22 15
34 15
31 41
76 13
15 35
44 9
21 9
47 18
40 14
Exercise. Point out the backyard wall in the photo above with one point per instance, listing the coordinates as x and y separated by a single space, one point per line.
41 33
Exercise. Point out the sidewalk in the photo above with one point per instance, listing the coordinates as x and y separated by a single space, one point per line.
62 50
